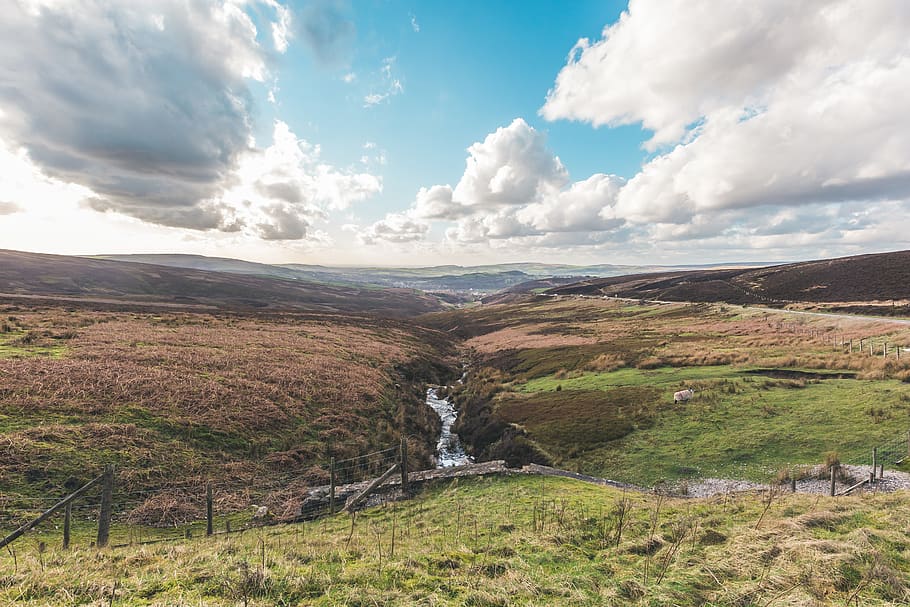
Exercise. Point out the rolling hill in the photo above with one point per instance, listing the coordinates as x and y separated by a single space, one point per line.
464 281
860 278
117 282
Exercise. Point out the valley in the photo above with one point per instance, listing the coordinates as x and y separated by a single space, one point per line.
588 385
267 398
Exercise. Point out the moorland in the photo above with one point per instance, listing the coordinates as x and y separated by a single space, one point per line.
259 403
871 284
101 364
588 384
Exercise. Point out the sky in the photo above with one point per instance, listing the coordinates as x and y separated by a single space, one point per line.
392 132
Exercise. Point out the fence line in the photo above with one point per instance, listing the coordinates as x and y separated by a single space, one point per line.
124 516
875 346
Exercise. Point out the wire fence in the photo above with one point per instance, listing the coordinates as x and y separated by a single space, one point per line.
188 509
895 451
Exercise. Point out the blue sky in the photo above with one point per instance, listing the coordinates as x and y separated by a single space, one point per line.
417 133
471 67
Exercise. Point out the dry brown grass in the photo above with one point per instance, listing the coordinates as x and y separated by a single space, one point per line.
241 399
524 337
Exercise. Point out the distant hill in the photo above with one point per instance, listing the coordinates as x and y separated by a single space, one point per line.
464 281
859 278
80 278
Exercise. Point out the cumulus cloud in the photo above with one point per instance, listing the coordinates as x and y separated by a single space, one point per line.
281 192
752 106
395 228
512 166
774 124
145 103
513 188
143 109
436 202
22 184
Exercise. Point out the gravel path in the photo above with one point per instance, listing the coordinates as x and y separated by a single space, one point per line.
706 487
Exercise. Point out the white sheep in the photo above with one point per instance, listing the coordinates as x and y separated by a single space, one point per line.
683 395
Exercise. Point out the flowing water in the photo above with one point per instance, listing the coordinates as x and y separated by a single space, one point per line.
449 450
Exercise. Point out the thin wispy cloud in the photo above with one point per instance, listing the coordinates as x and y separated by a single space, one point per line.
389 84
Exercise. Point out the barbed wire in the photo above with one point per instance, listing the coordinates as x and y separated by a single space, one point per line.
233 496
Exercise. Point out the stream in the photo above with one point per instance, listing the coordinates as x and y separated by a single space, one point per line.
449 450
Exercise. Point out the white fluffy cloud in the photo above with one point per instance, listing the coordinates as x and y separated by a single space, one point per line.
776 126
513 187
770 104
395 228
142 108
281 192
143 102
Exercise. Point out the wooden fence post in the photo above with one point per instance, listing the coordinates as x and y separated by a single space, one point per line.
874 461
67 522
209 510
47 513
404 465
355 501
332 487
107 499
833 476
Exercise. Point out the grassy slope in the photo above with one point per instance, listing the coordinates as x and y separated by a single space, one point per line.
250 402
590 384
509 541
739 425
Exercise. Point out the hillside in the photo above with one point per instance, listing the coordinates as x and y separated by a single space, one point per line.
79 278
861 278
587 384
506 541
255 403
466 281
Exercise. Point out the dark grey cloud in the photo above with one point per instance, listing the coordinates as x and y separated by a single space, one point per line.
285 224
328 29
286 191
202 216
146 103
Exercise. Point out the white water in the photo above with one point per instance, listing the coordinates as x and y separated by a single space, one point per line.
449 451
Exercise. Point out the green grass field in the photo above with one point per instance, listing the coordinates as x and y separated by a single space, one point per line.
506 541
19 344
738 424
589 384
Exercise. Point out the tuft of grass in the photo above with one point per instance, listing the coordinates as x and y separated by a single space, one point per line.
507 541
